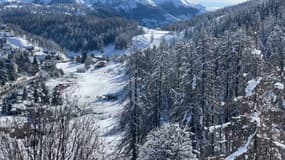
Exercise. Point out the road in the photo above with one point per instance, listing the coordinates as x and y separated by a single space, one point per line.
4 90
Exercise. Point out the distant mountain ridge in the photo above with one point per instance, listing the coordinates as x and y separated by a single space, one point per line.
154 13
151 13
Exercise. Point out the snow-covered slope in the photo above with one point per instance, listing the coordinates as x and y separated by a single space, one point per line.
11 1
151 13
149 39
178 3
159 12
154 3
152 38
26 1
90 86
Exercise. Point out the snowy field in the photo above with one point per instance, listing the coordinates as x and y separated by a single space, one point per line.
151 38
22 43
108 51
89 88
18 42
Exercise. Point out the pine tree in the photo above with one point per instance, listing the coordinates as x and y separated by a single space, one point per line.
168 142
25 94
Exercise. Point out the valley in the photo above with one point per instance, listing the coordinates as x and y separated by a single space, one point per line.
99 92
141 80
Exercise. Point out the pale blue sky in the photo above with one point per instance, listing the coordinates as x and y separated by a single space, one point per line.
215 4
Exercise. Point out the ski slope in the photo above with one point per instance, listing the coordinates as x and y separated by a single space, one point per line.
151 38
88 87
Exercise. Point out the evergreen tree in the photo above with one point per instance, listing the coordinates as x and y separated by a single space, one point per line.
168 142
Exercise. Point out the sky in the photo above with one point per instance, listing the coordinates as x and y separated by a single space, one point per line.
215 4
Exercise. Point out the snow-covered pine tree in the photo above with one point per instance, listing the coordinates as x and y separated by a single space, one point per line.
168 143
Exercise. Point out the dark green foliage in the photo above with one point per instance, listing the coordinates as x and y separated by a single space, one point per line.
203 82
56 97
78 33
6 106
8 102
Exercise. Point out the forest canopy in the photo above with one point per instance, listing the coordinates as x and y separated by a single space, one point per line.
76 32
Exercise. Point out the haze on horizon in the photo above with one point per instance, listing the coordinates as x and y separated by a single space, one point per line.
216 4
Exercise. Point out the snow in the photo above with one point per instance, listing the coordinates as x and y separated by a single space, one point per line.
256 52
213 128
16 1
8 121
220 18
22 43
252 84
18 42
279 144
100 81
150 39
279 85
89 88
178 3
194 82
108 51
255 117
153 3
20 106
242 149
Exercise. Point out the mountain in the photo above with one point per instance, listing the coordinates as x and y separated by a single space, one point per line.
154 13
151 13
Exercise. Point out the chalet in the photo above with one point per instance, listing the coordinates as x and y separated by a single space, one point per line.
40 57
110 97
3 40
6 47
53 53
7 34
8 61
101 58
3 27
100 64
46 51
29 48
48 64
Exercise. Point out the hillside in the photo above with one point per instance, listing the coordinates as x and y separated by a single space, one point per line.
73 31
208 88
225 81
159 12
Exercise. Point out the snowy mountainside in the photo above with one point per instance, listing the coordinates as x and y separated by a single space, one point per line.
132 3
149 39
159 12
91 86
